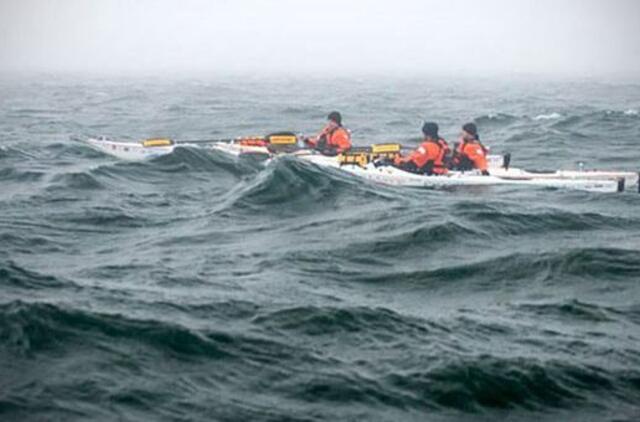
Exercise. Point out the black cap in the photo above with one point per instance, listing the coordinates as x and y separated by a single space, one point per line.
430 129
336 117
471 129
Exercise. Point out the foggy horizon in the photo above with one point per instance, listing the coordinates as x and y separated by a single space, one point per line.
592 39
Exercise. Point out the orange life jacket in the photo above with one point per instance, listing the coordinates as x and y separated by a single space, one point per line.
471 154
337 138
430 153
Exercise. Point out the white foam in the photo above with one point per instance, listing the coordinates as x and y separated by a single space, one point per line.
631 112
551 116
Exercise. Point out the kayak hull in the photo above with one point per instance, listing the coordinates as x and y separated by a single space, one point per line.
630 178
130 151
390 175
236 150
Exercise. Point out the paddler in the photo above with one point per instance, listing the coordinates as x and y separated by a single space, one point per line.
333 139
470 154
429 158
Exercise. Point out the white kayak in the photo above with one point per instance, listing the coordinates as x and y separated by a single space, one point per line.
390 175
589 179
630 178
151 148
130 150
236 149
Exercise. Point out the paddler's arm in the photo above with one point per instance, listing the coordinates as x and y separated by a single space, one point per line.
399 159
313 141
480 162
479 159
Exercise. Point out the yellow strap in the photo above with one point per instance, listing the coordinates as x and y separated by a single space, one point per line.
385 148
283 140
157 142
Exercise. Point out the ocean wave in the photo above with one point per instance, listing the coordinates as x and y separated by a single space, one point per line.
341 388
497 221
191 159
598 262
41 327
581 263
71 181
292 186
598 119
13 275
472 384
631 112
182 159
39 113
314 321
26 243
102 218
477 383
201 286
10 174
15 152
27 329
417 238
194 165
299 110
495 118
72 150
4 152
570 310
527 137
550 116
231 309
558 120
458 380
401 123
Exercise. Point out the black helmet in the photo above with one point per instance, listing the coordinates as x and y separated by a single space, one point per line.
430 129
471 129
336 117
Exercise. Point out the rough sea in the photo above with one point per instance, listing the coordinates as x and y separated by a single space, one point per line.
197 286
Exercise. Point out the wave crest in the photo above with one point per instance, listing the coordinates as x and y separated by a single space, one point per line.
589 263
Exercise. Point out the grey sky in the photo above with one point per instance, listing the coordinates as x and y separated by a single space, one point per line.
583 38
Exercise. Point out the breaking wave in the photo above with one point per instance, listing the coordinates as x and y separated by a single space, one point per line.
199 286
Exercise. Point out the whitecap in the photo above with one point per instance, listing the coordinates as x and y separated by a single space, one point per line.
631 112
551 116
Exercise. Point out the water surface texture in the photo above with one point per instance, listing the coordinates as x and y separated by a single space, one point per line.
201 287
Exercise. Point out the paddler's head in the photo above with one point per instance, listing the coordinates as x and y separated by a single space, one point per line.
430 131
335 119
470 132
